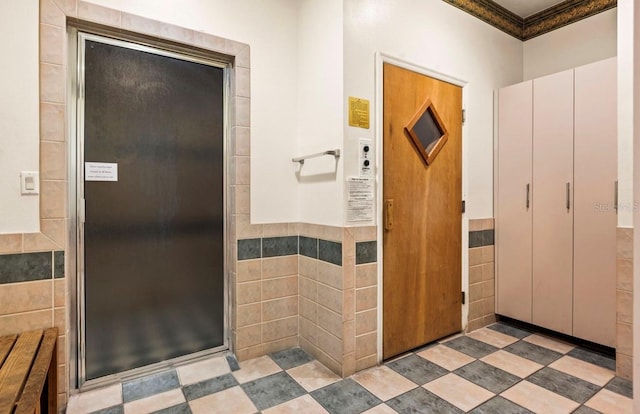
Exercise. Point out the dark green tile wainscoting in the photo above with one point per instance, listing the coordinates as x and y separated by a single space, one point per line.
25 267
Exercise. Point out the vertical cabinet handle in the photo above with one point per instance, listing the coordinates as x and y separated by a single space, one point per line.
388 214
568 196
528 195
615 197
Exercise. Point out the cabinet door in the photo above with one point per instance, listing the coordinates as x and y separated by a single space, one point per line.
552 201
594 280
513 214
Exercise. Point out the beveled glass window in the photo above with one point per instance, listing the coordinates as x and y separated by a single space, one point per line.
427 132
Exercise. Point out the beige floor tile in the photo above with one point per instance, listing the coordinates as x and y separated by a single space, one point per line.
383 382
380 409
202 370
550 343
609 402
459 392
538 399
256 368
89 401
313 375
491 337
232 400
155 402
583 370
512 363
446 357
305 404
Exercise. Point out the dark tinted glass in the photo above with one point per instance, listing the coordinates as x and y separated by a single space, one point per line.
427 130
154 254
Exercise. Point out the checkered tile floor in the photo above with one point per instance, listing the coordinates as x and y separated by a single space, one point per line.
498 369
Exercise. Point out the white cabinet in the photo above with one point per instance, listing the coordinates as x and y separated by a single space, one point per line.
552 205
555 222
595 221
513 201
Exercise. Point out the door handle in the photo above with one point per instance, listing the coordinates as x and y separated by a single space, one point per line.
528 195
568 196
388 214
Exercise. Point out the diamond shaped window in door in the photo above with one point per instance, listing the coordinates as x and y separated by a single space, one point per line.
427 132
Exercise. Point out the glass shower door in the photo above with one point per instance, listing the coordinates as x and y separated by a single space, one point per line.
153 127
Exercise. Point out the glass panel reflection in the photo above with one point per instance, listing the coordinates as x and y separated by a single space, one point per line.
427 130
154 252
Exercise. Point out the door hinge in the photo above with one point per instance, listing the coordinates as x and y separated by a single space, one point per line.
464 206
464 298
464 115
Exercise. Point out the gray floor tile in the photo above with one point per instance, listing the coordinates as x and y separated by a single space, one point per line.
272 390
116 409
210 386
349 397
564 384
499 405
593 357
176 409
471 347
150 385
345 397
487 376
621 386
510 330
290 358
417 369
586 410
533 352
233 363
420 400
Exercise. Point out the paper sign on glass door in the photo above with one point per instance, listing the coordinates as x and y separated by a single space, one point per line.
100 171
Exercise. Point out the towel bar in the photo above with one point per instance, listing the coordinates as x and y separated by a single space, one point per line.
335 153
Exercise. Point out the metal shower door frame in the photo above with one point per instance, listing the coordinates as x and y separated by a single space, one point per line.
77 361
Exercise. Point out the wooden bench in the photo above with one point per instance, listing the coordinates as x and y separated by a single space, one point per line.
27 362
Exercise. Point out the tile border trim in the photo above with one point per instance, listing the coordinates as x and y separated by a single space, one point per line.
268 247
481 238
314 248
366 252
29 267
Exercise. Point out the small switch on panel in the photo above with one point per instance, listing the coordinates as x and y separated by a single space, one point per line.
365 157
29 182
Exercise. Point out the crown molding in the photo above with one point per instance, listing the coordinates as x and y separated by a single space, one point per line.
555 17
493 14
562 14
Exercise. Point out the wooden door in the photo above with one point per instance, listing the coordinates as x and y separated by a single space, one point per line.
553 201
514 211
422 236
595 172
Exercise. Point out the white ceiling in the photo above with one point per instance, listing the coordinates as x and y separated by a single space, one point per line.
525 8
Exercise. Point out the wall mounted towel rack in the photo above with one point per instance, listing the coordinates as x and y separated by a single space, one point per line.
335 153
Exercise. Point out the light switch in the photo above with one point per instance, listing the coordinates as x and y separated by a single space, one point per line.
29 182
